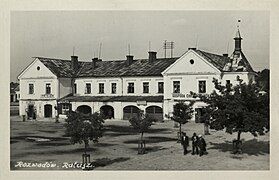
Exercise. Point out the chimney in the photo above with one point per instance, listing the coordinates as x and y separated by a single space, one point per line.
152 56
129 59
192 48
94 61
74 63
226 55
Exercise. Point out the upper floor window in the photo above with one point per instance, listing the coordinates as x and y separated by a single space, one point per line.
145 87
48 88
160 87
75 88
113 88
88 88
176 86
31 89
101 88
131 87
202 86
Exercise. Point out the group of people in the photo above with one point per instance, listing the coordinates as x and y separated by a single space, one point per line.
198 144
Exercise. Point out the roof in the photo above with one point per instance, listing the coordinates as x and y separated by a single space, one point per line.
140 67
112 98
216 60
221 62
14 87
59 67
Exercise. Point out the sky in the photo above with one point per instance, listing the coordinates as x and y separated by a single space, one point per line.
56 33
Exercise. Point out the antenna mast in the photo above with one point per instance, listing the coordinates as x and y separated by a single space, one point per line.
100 50
197 40
129 50
168 45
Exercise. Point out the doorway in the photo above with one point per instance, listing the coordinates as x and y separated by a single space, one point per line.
48 110
30 111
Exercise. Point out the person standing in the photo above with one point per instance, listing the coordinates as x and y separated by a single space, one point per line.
195 149
201 145
184 142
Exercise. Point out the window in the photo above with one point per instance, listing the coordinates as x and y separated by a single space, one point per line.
48 88
160 87
31 89
88 88
176 86
113 88
228 82
131 88
75 88
202 86
65 108
145 87
101 88
192 61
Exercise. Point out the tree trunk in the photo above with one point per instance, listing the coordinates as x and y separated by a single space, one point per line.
180 131
85 147
238 135
141 137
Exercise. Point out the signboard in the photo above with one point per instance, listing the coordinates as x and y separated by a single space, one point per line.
180 95
47 96
144 103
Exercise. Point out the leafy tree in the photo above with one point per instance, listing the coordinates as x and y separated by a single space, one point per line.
83 128
238 109
141 123
182 113
263 80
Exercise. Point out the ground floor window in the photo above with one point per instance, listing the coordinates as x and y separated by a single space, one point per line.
64 108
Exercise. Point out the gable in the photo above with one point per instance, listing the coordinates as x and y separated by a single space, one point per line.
36 70
191 63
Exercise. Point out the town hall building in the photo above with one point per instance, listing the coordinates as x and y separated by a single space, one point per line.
119 89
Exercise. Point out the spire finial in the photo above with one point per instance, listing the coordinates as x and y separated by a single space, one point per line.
238 23
238 31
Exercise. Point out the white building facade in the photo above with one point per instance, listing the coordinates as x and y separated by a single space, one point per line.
120 89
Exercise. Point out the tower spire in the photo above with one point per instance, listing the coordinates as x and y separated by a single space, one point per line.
238 38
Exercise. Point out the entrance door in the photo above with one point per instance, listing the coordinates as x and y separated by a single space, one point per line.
130 111
30 112
107 111
48 110
198 116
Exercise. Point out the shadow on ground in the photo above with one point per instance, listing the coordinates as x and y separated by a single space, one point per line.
106 161
57 152
250 147
149 149
152 139
115 130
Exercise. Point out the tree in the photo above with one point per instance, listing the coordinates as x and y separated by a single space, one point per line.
182 113
141 123
238 109
263 80
83 128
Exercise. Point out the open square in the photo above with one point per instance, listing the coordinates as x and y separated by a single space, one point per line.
117 149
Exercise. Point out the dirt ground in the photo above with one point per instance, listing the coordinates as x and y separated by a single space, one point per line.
117 149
